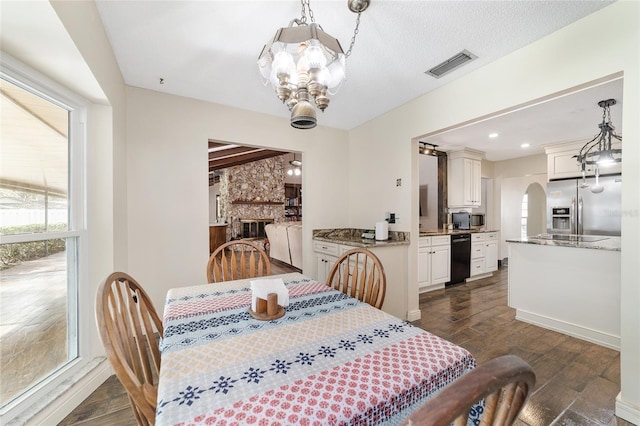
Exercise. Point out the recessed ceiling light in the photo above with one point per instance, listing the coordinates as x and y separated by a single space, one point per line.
493 135
525 145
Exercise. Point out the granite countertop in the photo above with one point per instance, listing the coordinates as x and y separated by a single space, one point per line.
598 242
353 237
432 233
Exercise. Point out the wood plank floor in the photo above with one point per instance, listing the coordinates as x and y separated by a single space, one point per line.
577 381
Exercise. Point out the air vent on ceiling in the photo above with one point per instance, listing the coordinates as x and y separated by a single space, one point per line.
450 64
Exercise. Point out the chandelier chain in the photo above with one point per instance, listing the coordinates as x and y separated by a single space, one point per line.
303 18
355 33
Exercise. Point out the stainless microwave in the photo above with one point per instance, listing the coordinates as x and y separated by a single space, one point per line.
477 220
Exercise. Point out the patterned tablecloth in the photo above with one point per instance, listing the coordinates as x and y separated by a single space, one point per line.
329 360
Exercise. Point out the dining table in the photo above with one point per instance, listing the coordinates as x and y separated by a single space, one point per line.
329 360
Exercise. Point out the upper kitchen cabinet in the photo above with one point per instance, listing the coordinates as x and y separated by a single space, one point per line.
464 171
561 161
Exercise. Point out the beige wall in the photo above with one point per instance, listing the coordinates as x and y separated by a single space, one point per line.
575 55
168 190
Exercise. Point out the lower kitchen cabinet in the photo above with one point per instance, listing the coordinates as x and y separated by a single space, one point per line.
393 259
484 254
491 254
434 262
326 256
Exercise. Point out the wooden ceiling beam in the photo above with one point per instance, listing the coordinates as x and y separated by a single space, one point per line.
220 154
242 159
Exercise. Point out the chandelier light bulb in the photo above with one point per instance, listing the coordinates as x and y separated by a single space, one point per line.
297 171
606 159
283 66
600 151
314 58
290 172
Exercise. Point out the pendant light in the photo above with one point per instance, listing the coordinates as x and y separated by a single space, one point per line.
305 65
599 150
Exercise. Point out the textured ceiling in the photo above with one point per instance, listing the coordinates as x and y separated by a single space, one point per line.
208 49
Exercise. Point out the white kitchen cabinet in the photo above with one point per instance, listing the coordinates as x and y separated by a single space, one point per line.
491 256
434 262
464 171
324 266
561 161
484 254
326 255
393 259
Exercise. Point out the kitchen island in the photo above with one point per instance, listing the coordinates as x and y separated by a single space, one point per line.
570 284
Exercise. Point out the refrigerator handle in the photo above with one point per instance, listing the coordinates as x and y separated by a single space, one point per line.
572 215
580 221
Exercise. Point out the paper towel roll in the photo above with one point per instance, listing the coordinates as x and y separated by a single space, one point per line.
382 230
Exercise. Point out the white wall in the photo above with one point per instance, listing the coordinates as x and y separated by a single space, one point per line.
537 209
168 190
79 19
525 170
511 193
575 55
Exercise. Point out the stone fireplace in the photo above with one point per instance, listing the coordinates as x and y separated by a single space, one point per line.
251 196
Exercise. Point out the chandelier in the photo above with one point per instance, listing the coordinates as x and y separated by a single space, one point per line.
599 150
304 64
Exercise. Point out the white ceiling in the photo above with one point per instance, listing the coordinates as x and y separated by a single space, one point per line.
208 49
568 118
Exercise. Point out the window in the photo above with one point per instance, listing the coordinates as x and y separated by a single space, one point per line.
524 215
41 231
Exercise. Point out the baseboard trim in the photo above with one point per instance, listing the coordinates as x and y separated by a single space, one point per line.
626 410
64 403
479 277
599 338
414 315
432 287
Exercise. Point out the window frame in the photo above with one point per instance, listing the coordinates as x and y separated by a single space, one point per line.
41 394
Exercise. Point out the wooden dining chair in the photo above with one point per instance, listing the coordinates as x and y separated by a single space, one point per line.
504 383
237 260
130 330
359 273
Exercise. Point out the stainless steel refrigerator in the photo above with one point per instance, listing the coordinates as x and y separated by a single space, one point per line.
576 208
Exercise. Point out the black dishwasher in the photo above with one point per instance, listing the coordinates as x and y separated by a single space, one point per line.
460 257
